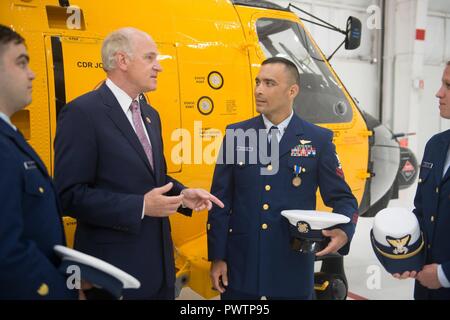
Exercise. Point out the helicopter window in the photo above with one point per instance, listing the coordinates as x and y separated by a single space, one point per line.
321 98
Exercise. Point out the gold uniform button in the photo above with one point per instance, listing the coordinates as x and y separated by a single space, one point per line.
437 190
269 167
43 290
420 180
432 218
268 188
264 226
241 164
266 207
429 246
208 226
230 231
41 190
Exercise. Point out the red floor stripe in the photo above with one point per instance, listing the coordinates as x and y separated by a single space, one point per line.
355 296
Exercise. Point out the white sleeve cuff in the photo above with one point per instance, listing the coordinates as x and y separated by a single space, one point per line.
442 278
143 210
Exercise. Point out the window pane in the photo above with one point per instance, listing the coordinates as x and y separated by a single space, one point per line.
321 99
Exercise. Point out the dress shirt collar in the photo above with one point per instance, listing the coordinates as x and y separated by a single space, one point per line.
122 97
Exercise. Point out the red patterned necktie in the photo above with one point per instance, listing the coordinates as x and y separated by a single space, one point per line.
138 126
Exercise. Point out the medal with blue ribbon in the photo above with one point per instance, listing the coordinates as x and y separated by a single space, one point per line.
297 181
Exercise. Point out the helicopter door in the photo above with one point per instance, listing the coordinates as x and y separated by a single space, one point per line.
74 67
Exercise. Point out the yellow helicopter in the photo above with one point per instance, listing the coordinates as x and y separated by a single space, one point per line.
210 51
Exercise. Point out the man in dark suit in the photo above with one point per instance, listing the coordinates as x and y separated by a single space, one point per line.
30 222
432 208
110 169
248 239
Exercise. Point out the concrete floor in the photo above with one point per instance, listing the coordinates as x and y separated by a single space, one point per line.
366 277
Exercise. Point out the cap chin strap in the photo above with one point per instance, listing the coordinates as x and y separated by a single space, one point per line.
399 257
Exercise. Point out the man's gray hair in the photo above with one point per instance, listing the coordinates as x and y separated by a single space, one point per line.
116 41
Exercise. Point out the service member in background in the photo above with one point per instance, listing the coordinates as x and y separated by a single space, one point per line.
432 208
30 220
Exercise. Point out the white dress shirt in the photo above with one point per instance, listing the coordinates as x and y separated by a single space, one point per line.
281 127
7 120
442 277
125 102
446 163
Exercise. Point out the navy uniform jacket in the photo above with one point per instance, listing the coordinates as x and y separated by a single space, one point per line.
102 174
30 224
251 235
432 208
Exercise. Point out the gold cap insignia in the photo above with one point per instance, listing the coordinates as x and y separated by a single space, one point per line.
399 245
302 227
43 290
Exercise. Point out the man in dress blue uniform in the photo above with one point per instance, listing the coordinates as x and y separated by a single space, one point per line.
248 240
432 208
30 222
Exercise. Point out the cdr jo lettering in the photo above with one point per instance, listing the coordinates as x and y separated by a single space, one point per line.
88 64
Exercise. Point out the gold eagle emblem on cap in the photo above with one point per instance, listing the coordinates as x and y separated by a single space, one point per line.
302 227
399 245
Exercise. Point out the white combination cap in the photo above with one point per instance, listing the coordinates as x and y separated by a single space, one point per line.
317 220
396 223
99 273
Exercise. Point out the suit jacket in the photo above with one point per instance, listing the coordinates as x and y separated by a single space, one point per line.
102 174
432 208
30 224
250 233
